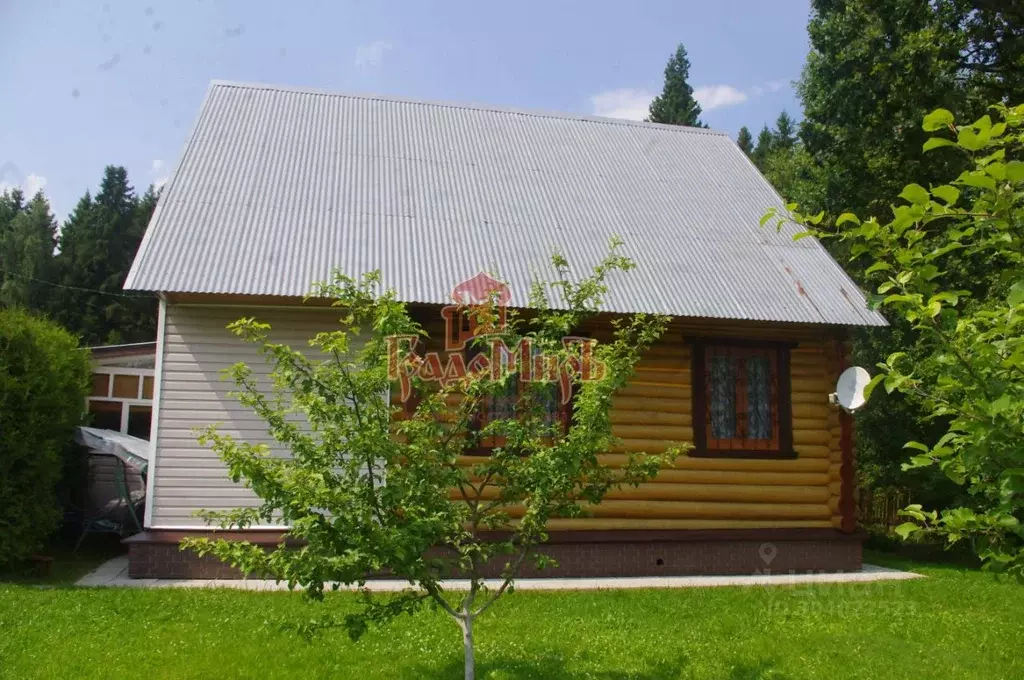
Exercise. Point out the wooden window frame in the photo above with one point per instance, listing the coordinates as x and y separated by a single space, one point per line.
564 413
782 443
126 402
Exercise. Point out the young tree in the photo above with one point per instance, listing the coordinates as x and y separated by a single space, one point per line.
676 104
967 371
745 141
26 250
367 490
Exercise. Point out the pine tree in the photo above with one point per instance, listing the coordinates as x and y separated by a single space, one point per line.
785 132
745 141
676 105
27 251
97 246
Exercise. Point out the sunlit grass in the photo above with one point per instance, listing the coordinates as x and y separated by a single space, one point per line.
957 623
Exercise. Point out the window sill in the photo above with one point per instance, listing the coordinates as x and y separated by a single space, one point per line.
743 453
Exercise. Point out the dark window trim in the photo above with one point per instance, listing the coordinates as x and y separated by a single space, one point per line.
699 399
566 413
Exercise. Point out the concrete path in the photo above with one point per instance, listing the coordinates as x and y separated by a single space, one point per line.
115 574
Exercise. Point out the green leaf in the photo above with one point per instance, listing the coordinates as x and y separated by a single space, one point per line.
976 179
916 445
936 142
878 267
1001 404
1008 522
894 357
916 194
847 217
1016 296
872 384
937 119
767 216
968 139
947 297
904 530
947 193
1015 171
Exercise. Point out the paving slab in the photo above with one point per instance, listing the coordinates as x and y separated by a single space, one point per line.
115 574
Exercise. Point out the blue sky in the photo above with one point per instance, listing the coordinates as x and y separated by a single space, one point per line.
98 82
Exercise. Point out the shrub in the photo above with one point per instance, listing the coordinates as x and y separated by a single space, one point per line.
44 378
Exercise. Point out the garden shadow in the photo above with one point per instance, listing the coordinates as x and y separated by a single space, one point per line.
554 668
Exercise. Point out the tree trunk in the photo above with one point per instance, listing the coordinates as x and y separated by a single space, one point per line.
466 624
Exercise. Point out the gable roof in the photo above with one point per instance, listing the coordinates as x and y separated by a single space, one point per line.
277 186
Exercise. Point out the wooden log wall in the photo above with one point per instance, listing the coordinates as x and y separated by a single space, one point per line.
655 411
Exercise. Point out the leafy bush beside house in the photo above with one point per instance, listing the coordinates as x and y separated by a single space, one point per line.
965 371
44 378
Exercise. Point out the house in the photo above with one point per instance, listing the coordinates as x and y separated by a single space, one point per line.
277 186
121 397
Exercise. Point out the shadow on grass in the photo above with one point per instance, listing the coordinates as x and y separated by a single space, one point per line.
64 566
554 668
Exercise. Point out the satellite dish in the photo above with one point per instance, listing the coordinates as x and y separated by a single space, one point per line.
849 392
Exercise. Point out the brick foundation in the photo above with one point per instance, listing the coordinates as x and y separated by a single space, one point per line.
155 554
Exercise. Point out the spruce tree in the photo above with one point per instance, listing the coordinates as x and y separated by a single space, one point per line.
765 144
27 251
745 141
97 246
12 202
676 105
785 132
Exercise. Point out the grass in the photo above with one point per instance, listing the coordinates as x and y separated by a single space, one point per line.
68 565
958 623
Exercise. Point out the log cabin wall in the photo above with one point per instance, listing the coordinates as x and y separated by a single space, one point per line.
656 410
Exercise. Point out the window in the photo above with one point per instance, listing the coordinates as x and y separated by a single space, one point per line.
121 400
505 405
741 400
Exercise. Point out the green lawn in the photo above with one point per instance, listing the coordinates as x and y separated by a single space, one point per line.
957 623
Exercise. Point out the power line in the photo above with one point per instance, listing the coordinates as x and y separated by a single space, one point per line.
78 288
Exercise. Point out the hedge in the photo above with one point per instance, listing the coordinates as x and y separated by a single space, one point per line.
44 380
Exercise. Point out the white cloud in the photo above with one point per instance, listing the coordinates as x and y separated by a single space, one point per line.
159 182
372 54
626 102
31 184
34 183
713 97
633 103
158 165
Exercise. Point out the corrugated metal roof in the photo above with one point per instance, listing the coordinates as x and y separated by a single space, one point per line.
277 186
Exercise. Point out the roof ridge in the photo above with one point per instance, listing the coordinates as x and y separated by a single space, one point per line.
467 106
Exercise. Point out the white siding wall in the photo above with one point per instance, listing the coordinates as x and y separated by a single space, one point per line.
197 347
